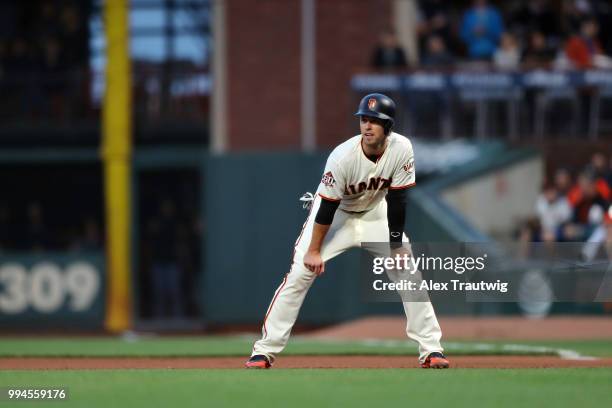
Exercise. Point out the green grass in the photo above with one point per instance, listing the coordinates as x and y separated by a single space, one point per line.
310 388
240 346
323 388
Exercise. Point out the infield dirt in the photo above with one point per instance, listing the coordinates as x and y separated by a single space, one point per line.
116 363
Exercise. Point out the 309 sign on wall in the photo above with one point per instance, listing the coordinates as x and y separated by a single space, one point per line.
54 288
45 287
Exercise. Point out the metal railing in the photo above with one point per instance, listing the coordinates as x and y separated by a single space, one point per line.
529 104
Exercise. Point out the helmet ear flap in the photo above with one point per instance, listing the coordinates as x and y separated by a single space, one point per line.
388 126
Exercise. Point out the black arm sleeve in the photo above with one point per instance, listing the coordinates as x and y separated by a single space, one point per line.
396 214
326 212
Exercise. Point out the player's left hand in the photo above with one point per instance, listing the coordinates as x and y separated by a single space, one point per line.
314 262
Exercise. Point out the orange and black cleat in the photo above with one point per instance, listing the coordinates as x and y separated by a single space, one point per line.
258 361
435 360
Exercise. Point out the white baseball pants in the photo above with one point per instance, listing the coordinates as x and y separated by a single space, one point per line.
347 230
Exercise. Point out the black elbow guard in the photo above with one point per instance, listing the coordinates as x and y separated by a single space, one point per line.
326 212
396 214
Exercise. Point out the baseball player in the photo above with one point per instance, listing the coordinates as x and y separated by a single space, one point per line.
350 208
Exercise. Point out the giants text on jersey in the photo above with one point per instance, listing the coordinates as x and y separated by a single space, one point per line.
359 183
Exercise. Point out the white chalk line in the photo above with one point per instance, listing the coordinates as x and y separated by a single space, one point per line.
565 354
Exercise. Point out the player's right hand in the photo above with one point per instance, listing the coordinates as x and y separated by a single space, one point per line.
314 262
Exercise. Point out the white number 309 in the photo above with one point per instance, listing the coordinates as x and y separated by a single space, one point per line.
46 286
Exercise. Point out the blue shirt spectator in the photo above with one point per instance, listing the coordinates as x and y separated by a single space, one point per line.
481 29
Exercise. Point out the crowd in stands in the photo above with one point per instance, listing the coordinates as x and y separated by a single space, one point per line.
170 244
44 56
574 207
30 228
508 35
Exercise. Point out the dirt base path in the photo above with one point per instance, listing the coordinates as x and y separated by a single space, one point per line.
31 363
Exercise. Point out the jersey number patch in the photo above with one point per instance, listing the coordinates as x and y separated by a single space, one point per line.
409 167
328 179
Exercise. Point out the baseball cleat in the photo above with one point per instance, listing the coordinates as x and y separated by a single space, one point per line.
435 360
258 361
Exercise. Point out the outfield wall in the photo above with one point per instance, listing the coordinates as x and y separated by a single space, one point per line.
497 201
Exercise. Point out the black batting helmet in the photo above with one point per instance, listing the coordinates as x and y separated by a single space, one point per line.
378 106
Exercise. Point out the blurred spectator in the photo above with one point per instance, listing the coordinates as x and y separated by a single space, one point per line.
587 181
437 55
71 34
435 19
537 53
589 200
563 181
601 233
553 211
581 49
600 174
177 194
481 29
388 54
508 56
600 168
166 273
46 26
578 212
53 71
534 15
530 231
36 234
91 237
573 13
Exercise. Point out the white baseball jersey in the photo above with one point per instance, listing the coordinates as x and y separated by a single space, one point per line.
359 183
